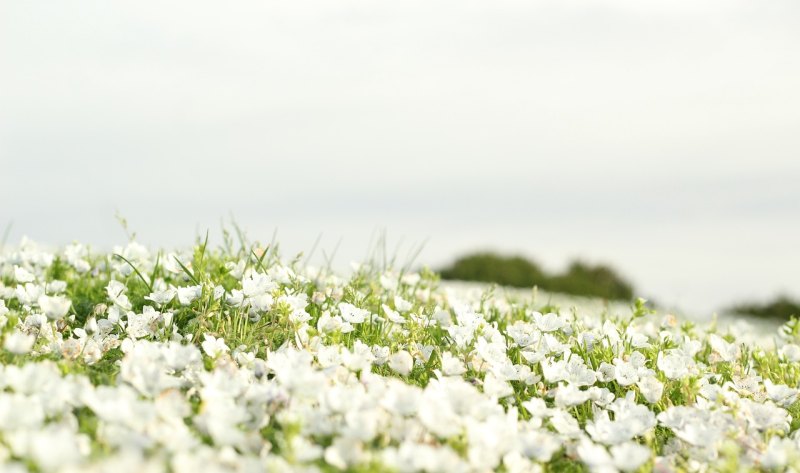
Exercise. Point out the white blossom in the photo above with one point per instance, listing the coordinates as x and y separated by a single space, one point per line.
401 362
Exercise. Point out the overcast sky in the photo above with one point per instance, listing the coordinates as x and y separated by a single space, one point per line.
661 137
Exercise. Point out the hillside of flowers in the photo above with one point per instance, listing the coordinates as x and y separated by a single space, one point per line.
233 359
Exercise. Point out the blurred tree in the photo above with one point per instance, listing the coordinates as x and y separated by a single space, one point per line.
782 307
594 281
580 278
488 267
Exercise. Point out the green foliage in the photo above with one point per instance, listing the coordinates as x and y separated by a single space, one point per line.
580 278
592 281
512 271
782 307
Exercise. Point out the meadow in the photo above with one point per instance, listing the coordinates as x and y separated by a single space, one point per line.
234 358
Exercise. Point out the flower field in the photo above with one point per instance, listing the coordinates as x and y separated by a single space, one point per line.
233 359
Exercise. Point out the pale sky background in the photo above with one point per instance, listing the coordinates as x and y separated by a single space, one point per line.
661 137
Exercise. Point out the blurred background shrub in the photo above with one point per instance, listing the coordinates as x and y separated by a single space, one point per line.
782 307
579 279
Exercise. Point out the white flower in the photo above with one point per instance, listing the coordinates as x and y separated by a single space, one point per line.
436 408
495 387
318 298
353 314
401 304
601 396
281 274
54 307
554 371
565 424
422 353
55 286
790 352
579 374
55 447
549 322
533 357
727 352
595 456
778 453
630 420
344 452
304 450
411 279
71 348
630 456
92 352
651 388
523 333
381 354
401 362
393 315
22 275
625 373
764 416
360 358
388 281
29 293
611 331
188 294
401 398
747 385
75 255
638 340
462 336
329 356
236 298
236 269
297 304
452 366
116 294
19 343
673 365
539 445
299 317
443 318
256 284
606 372
214 347
261 302
698 427
783 395
550 344
536 407
328 323
243 357
144 324
570 395
162 297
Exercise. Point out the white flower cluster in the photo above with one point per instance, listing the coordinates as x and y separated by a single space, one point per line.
234 361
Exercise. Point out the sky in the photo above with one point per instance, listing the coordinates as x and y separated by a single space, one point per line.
660 137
